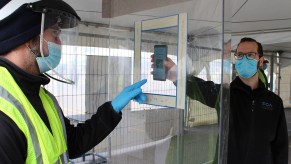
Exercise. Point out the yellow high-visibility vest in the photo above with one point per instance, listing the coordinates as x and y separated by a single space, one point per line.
262 77
42 145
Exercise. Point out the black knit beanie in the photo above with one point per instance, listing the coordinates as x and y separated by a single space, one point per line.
18 28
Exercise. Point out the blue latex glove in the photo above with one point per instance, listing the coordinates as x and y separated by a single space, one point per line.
128 93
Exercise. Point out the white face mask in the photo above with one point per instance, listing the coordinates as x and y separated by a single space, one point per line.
52 60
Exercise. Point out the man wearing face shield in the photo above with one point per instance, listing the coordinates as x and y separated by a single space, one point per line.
257 125
33 127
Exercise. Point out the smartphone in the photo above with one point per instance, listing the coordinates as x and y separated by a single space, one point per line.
160 56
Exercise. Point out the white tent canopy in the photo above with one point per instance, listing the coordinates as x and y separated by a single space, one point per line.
269 22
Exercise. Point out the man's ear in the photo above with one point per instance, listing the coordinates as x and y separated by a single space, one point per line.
29 43
33 44
33 47
261 61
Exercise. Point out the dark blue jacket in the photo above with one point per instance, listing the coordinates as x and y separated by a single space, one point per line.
257 125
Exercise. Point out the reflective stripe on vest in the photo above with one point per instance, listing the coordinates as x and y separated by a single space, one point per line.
52 147
64 157
31 133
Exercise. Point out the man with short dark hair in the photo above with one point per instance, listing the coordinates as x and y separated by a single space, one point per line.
257 125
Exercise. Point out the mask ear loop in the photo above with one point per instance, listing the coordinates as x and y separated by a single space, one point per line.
66 80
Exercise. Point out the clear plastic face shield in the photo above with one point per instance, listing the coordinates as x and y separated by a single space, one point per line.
59 33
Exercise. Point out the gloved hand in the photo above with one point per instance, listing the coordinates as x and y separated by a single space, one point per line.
128 93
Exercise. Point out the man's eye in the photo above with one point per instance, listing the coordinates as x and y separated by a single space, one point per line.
250 54
240 55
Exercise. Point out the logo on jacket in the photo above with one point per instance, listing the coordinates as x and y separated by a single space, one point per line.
266 106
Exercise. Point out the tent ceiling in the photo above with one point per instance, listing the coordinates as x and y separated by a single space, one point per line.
260 15
267 21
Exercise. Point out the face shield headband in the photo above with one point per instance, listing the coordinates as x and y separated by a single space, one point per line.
58 30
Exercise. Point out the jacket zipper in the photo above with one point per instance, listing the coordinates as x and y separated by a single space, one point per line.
252 122
253 105
252 101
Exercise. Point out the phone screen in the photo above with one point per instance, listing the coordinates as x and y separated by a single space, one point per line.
160 56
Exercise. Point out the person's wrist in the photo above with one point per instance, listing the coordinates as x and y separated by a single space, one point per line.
115 106
172 73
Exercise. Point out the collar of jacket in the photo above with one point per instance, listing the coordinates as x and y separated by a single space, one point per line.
238 84
29 83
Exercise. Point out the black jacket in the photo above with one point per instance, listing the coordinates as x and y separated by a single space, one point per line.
82 138
257 125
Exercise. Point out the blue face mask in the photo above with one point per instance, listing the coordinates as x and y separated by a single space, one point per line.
52 60
246 68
